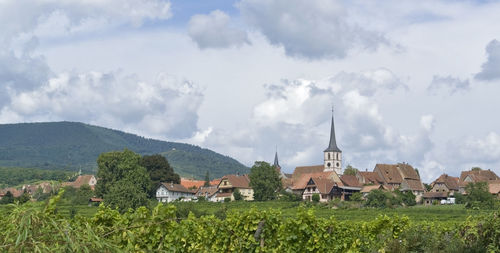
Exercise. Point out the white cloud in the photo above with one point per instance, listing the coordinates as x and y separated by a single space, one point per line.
490 70
215 31
315 29
166 108
448 83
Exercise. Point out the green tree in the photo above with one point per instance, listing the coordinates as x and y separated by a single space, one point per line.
265 181
237 195
159 171
315 198
82 195
479 196
428 187
8 198
349 170
475 169
123 182
381 199
357 196
207 179
407 197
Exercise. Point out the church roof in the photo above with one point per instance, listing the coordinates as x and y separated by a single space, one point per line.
276 163
332 146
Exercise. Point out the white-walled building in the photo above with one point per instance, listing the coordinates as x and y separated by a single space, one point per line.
168 192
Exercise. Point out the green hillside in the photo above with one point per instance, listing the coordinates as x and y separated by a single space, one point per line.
74 146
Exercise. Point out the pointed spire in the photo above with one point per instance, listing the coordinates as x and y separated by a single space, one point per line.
276 163
332 146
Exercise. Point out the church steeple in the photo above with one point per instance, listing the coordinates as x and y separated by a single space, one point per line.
332 147
276 163
332 154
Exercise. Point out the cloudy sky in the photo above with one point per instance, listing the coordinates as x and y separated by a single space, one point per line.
411 81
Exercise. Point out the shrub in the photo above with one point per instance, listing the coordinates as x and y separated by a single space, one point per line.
315 198
237 195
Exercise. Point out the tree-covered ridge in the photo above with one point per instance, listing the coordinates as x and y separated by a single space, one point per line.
16 176
74 146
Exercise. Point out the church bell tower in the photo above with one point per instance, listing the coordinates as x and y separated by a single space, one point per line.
333 155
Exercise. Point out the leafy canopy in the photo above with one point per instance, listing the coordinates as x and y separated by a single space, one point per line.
159 171
265 181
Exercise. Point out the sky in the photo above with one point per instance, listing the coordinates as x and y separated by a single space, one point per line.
409 81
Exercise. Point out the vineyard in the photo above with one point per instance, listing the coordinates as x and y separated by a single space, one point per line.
35 228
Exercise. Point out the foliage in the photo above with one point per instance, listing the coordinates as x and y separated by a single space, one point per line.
159 171
70 146
479 196
289 196
8 198
459 198
122 181
315 198
357 196
428 187
382 199
15 176
237 194
475 169
227 200
207 179
39 228
349 170
265 181
406 197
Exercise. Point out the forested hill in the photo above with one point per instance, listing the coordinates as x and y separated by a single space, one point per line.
70 145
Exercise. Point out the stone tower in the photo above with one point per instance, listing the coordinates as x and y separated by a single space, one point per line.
333 155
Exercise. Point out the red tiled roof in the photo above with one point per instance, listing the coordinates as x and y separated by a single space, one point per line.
432 195
389 173
15 192
207 191
450 182
494 186
191 183
324 185
477 176
414 185
301 182
408 171
176 187
371 177
237 181
299 171
350 180
369 188
79 181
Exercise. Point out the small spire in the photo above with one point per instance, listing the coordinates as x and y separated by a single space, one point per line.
332 146
276 163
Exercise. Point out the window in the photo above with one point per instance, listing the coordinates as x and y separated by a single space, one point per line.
328 156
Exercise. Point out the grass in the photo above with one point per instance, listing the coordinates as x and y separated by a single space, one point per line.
449 213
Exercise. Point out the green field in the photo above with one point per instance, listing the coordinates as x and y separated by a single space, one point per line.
450 213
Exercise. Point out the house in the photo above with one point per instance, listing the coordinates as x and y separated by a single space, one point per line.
230 183
89 180
368 188
208 192
430 197
168 192
330 186
475 176
369 178
196 184
401 176
300 183
494 188
445 183
95 201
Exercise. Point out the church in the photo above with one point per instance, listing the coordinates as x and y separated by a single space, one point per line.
326 180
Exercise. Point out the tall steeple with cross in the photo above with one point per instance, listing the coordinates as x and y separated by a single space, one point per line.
332 154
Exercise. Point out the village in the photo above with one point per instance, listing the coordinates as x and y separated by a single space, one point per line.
326 181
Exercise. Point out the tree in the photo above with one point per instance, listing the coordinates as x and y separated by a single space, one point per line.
349 170
428 187
475 169
357 196
8 198
479 196
82 195
125 195
315 198
381 199
265 181
159 171
407 197
207 179
237 194
122 180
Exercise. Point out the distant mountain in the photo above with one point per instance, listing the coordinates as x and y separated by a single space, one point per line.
74 146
